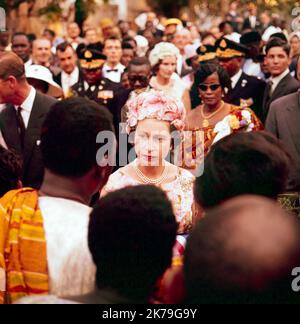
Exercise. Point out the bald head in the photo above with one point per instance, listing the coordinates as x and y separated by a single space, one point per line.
243 251
41 51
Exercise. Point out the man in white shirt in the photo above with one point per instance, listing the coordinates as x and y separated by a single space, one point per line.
68 63
112 68
74 35
281 82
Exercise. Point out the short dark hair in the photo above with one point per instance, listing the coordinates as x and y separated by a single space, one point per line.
128 39
224 23
62 47
138 61
68 140
112 38
126 45
20 34
10 170
278 42
50 31
207 69
223 264
243 163
131 235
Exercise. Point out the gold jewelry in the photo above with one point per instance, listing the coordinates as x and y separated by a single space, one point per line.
206 119
147 180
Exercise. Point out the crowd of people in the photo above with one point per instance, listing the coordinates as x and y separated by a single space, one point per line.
158 163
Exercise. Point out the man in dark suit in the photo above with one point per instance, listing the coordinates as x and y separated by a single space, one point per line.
245 90
252 22
283 121
21 120
70 74
281 82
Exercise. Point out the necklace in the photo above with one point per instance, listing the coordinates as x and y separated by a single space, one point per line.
147 180
206 119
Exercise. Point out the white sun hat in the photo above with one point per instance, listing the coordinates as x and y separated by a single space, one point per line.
40 72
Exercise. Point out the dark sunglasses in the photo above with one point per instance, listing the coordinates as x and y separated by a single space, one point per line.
140 78
212 87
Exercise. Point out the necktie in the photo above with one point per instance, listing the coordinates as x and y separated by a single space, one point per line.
112 70
21 126
269 89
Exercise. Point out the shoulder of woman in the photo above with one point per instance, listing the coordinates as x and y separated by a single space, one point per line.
186 176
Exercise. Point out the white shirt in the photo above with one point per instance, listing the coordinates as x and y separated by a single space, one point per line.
252 68
68 80
235 37
277 79
70 265
27 106
252 20
114 76
28 64
235 79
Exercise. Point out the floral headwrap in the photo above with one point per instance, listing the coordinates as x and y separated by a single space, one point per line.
157 105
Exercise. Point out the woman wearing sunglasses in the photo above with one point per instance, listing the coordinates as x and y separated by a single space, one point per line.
214 119
164 59
152 116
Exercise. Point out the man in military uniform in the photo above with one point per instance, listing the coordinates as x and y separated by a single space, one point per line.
245 90
94 86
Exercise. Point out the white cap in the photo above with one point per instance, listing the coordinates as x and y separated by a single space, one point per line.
40 72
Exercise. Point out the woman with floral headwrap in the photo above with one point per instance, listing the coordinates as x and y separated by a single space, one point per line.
164 58
153 115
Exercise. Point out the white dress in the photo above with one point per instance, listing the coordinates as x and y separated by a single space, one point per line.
175 88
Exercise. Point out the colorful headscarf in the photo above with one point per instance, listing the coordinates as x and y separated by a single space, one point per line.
155 104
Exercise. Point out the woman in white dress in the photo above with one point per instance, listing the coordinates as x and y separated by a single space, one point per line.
163 59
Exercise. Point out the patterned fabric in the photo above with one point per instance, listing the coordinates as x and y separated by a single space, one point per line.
23 257
197 142
290 202
179 191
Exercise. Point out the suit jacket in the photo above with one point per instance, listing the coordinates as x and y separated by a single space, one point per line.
286 86
251 90
247 24
283 121
104 93
57 78
33 169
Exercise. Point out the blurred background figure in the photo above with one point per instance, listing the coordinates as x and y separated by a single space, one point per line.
209 257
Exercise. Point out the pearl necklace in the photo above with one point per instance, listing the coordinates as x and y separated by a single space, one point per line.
147 180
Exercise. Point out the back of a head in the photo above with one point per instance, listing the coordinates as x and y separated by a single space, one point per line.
243 163
131 235
10 170
243 252
11 65
69 132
